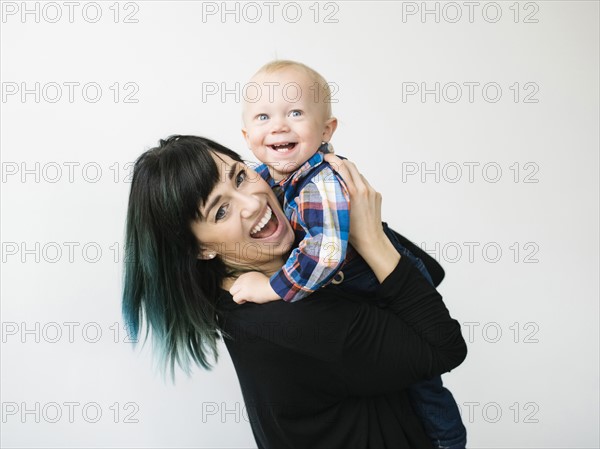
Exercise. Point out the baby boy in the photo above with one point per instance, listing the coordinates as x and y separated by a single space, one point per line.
288 128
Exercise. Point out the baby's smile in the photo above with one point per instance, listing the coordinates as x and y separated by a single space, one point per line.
283 147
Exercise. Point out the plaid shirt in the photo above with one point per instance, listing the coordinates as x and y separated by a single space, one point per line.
317 203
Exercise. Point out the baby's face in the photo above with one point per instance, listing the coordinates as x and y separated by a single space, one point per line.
285 126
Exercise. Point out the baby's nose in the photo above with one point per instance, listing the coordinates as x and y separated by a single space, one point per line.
280 125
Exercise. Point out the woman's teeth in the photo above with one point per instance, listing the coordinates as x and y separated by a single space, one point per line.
261 224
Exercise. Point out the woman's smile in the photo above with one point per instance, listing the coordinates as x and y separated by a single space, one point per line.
259 231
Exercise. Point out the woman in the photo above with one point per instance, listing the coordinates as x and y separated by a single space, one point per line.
329 371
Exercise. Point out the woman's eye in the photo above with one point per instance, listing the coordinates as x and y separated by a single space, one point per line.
240 177
262 117
220 213
295 113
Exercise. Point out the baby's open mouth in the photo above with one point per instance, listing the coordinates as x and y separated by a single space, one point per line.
266 227
283 147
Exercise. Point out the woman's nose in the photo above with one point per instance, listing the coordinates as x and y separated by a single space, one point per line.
250 205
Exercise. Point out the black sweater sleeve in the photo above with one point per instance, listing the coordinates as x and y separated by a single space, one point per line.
433 267
371 345
409 338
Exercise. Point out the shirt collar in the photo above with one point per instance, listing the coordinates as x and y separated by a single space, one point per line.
303 170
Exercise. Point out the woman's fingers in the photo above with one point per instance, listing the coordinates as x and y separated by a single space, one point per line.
360 184
365 204
355 181
337 164
366 232
346 169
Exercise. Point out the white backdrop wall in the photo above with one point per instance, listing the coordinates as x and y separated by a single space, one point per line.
478 122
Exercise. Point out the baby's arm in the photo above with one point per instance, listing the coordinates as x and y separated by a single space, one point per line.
323 210
253 287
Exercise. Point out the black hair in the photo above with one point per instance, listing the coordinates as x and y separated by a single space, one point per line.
164 281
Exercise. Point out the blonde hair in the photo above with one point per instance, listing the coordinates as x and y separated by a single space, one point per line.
324 92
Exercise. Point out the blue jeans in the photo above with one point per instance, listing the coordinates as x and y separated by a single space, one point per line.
433 403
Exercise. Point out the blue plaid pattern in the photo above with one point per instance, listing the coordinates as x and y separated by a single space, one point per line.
317 204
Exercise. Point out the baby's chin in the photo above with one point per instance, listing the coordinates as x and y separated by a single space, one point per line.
279 173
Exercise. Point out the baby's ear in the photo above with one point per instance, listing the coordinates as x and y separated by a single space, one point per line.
330 127
246 135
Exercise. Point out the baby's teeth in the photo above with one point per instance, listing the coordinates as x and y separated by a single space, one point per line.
282 147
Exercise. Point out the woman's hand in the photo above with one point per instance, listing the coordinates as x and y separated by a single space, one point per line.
366 231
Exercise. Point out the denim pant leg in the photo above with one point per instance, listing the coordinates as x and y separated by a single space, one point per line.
418 263
438 411
432 402
355 277
358 277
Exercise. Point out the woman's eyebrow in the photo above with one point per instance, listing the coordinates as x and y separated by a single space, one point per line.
211 205
230 175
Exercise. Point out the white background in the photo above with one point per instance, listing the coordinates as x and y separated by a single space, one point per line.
529 384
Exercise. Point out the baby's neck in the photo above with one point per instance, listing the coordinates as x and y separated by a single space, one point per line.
278 176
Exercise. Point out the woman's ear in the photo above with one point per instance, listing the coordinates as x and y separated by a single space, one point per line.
207 254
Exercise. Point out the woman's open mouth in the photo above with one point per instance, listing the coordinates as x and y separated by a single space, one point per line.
283 147
267 226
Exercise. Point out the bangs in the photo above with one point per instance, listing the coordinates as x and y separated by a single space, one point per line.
184 173
199 176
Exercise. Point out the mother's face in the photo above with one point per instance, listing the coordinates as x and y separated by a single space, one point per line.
242 221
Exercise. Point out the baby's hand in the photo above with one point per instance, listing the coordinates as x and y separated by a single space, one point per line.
253 287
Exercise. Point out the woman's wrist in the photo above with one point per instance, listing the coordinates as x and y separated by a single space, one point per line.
381 256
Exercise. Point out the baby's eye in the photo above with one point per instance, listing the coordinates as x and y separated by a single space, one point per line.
295 113
220 213
241 176
262 117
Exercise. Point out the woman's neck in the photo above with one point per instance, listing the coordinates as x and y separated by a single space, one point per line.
267 268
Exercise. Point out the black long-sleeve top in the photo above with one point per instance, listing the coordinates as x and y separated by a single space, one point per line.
331 370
